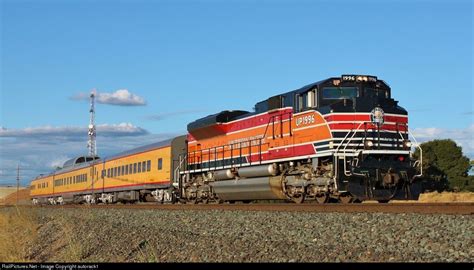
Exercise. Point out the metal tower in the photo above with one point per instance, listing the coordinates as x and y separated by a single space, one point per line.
91 144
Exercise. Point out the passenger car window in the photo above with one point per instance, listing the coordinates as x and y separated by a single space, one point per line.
160 163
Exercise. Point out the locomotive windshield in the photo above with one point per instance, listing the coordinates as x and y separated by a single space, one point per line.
370 92
340 92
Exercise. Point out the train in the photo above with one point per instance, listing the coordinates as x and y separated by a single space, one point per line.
342 139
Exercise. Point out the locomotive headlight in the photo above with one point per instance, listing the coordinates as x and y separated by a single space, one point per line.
369 144
407 144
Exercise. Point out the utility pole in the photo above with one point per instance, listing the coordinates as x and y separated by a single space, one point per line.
92 141
17 182
91 144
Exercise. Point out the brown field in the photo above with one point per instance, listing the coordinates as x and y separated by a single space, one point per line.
37 234
17 229
10 198
447 197
5 191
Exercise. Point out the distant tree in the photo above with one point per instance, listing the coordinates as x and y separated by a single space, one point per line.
445 167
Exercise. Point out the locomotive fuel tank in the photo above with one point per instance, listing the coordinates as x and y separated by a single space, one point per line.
223 175
258 171
258 188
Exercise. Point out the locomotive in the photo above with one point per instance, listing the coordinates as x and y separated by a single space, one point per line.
342 139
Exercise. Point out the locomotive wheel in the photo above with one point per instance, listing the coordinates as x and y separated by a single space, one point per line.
192 201
322 198
216 201
299 199
346 198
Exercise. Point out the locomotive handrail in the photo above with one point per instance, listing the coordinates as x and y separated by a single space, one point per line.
180 163
421 154
197 161
198 165
355 132
348 133
337 151
419 147
345 163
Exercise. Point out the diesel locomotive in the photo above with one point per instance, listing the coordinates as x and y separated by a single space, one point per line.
341 139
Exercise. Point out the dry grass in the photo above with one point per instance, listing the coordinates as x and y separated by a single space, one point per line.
436 197
70 246
5 191
447 197
22 239
146 253
23 196
18 228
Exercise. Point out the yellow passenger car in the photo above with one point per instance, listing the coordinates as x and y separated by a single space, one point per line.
141 174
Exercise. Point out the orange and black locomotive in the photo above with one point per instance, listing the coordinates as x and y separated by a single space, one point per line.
340 139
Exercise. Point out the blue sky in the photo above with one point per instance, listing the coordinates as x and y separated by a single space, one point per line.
181 60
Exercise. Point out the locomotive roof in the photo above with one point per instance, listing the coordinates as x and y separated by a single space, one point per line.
312 85
226 116
221 117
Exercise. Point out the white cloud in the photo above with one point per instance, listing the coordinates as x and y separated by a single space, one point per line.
463 137
39 150
122 129
121 97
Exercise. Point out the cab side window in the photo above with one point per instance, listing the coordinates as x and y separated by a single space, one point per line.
304 101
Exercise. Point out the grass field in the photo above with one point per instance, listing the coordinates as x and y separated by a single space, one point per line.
17 228
447 197
5 191
8 195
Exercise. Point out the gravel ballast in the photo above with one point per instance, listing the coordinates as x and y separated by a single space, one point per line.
127 235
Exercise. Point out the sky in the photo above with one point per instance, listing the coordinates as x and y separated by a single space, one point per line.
158 65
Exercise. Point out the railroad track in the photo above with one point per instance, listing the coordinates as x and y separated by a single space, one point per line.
425 208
